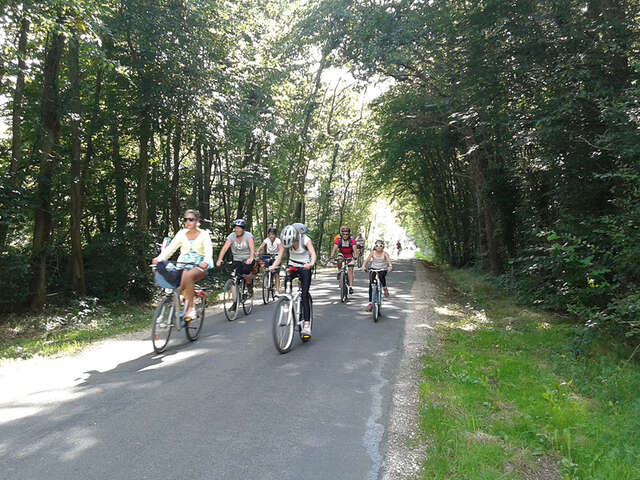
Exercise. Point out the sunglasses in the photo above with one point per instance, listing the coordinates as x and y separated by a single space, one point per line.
189 219
379 246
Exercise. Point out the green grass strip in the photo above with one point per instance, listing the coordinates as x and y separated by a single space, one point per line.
504 398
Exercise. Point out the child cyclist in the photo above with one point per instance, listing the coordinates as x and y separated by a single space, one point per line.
302 258
273 247
380 260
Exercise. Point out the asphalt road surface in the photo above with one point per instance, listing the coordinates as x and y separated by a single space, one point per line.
228 406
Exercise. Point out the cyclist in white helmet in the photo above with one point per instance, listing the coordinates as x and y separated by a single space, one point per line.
302 258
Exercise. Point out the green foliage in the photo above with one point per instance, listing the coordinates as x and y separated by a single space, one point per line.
113 267
15 276
504 397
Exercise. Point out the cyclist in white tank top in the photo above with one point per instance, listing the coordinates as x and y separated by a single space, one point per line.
302 258
380 260
273 247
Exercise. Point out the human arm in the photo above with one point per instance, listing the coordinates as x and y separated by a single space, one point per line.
252 252
171 248
334 249
312 252
223 250
208 251
364 264
262 245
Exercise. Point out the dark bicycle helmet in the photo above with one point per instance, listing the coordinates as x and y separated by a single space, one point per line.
345 230
240 223
272 230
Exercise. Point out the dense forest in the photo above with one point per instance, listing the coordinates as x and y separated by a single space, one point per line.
509 138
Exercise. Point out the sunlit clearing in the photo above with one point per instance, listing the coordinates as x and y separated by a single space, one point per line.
385 226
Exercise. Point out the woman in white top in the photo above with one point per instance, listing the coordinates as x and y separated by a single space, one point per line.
195 247
380 260
302 258
273 247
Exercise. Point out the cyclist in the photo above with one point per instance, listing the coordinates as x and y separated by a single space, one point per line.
243 251
195 247
273 247
302 258
347 246
399 247
379 259
360 241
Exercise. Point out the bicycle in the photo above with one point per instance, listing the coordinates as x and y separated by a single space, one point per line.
169 313
376 295
360 256
268 280
343 279
230 297
288 317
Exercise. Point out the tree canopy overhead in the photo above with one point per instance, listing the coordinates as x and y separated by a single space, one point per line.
510 137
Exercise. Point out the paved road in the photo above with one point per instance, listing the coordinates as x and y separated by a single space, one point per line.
225 407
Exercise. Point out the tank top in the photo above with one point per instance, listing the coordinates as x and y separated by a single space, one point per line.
271 248
378 263
240 250
299 256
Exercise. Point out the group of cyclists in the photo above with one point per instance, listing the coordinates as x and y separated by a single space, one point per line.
196 257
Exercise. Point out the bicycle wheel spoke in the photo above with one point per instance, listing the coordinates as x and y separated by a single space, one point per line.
162 324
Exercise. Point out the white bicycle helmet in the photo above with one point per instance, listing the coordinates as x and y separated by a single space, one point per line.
288 236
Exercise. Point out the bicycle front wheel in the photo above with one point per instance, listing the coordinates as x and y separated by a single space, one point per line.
374 302
229 300
283 325
247 302
266 286
344 290
162 324
194 326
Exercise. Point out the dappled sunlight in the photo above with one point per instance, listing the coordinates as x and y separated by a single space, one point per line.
461 318
177 357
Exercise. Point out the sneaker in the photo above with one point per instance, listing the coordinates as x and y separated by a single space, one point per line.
306 330
190 314
369 308
386 292
350 290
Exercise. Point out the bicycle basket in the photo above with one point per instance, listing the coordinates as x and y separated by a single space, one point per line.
162 282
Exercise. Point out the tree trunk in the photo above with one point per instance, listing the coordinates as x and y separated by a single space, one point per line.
16 121
205 207
118 174
77 264
265 219
175 178
325 196
50 119
145 135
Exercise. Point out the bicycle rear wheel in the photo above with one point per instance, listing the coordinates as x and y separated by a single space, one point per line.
283 325
194 326
306 339
162 324
360 260
230 300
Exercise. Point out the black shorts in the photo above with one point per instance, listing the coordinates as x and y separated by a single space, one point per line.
242 268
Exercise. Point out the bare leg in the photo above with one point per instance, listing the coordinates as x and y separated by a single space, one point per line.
189 278
350 276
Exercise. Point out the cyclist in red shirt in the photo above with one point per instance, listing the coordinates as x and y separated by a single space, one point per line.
349 251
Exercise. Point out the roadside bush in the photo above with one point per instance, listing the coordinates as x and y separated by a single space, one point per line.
116 266
15 278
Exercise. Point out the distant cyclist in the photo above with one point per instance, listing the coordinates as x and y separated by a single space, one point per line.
399 247
360 241
273 247
243 251
195 247
349 251
302 258
380 260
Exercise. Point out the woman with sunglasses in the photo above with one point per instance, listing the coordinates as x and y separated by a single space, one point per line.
379 260
195 248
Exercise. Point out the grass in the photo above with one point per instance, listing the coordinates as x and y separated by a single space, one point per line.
504 398
68 329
